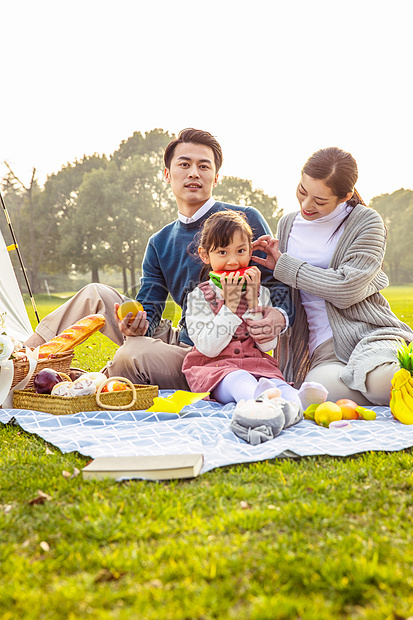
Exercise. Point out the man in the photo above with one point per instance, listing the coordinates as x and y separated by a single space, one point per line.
151 350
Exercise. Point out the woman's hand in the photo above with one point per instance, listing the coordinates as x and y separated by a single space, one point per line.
253 280
232 289
132 326
270 246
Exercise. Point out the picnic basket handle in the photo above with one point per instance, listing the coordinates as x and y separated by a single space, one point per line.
116 407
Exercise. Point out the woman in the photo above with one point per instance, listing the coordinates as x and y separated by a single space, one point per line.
330 253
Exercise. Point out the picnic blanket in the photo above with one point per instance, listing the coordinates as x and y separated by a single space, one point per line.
204 428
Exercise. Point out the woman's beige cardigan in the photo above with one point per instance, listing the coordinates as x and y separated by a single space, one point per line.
366 333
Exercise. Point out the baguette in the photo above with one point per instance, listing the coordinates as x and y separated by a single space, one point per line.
72 336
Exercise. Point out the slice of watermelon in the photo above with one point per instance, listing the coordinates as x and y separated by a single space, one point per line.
215 276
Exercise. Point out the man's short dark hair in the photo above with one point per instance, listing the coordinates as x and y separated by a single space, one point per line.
195 136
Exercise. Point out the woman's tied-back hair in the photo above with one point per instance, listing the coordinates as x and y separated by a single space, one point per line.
195 136
218 232
338 170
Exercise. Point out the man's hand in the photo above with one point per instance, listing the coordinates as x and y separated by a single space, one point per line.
132 326
267 328
270 246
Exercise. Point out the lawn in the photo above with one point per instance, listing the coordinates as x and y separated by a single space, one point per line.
313 538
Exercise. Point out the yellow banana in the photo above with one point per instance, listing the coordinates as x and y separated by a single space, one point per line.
407 397
399 409
401 377
409 388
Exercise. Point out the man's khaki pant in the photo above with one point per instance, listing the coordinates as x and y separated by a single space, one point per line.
155 361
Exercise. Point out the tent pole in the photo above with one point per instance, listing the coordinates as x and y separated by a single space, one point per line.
16 246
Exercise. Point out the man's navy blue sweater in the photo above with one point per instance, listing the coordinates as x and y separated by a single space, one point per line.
171 265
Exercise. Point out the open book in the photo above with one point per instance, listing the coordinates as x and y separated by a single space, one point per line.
165 467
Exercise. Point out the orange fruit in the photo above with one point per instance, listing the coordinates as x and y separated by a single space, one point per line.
129 306
115 386
348 408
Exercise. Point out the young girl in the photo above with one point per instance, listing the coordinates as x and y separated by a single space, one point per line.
331 253
226 361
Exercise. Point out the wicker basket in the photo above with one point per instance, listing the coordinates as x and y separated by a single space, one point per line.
60 362
60 405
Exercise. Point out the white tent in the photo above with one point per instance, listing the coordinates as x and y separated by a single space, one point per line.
11 300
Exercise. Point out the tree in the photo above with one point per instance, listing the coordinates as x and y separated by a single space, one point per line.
35 229
99 212
14 197
152 143
60 197
396 210
240 191
118 207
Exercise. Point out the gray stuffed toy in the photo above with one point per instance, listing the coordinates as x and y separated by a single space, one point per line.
256 421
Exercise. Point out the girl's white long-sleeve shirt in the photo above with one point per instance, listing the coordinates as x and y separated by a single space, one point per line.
210 332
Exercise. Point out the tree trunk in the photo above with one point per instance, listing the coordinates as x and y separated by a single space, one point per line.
32 269
133 276
125 280
95 274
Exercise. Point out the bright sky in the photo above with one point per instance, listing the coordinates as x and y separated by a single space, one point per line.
273 80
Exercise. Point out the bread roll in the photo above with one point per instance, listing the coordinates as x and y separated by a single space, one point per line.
72 336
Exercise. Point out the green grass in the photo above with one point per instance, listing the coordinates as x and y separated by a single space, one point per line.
314 538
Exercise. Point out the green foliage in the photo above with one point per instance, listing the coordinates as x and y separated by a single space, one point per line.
98 212
317 538
405 356
240 192
396 210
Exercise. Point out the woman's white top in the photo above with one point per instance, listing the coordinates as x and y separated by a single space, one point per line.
314 242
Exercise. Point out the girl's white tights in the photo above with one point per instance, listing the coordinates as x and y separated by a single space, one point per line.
240 384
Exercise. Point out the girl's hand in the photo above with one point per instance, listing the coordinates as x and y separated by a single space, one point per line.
253 280
270 246
232 289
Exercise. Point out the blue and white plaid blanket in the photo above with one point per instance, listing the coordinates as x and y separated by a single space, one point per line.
203 428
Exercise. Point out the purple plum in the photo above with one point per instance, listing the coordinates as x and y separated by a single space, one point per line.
45 380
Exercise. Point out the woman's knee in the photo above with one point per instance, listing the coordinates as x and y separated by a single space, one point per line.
378 383
329 376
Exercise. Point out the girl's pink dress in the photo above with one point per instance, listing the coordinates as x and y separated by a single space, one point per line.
204 373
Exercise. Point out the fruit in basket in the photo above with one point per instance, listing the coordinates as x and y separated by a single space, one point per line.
45 380
96 377
62 389
82 387
75 373
115 386
129 306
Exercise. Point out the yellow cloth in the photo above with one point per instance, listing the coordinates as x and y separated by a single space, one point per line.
176 402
